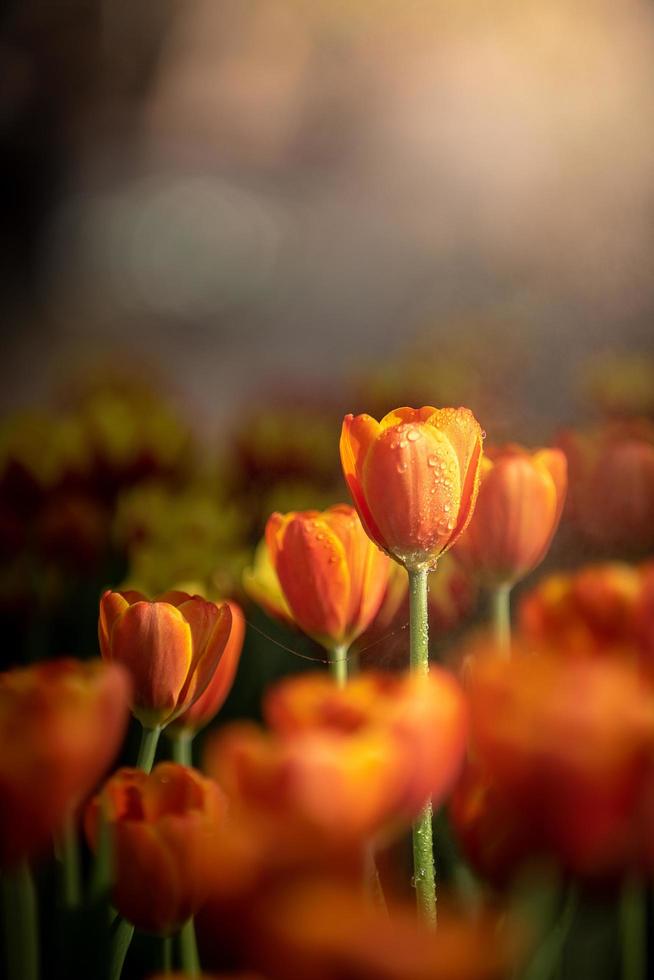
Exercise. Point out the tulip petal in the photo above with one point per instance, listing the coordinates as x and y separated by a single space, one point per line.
357 435
154 642
554 461
112 606
206 661
313 573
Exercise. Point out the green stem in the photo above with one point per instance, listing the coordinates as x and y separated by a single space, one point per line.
502 619
166 953
147 748
338 665
182 747
188 949
424 875
122 937
547 959
21 932
70 861
633 928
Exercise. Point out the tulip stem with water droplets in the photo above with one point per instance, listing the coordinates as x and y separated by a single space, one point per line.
633 928
338 665
424 875
502 619
21 933
147 748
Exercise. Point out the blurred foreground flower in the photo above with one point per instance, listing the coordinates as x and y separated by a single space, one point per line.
171 646
332 576
345 764
414 478
569 744
61 725
516 515
611 484
165 829
326 930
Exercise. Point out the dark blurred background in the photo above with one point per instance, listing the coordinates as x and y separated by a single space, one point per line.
241 192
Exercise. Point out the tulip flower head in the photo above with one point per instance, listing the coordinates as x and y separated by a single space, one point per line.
520 501
61 726
165 827
414 478
171 646
332 576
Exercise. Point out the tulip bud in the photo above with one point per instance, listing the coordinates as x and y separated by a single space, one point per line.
171 646
414 478
331 575
518 510
165 829
61 726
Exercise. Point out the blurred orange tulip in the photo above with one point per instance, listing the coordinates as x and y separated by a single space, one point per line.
61 725
207 706
570 744
346 763
171 647
326 930
165 828
586 612
261 584
414 478
332 576
517 513
611 484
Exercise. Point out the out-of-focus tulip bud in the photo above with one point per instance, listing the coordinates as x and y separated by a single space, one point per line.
611 484
584 612
332 576
171 646
569 743
414 478
61 726
517 513
327 931
207 706
165 830
346 763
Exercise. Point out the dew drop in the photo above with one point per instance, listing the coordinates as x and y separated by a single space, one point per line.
413 435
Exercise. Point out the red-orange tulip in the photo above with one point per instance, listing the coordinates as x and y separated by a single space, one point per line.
61 726
207 706
332 576
171 646
517 512
414 478
569 743
344 764
589 611
165 830
611 475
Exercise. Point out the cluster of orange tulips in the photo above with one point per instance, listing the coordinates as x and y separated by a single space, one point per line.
283 857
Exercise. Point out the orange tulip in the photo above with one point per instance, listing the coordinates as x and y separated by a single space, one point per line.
207 706
171 647
61 726
261 584
611 496
569 744
346 763
326 930
165 828
518 510
589 611
333 578
414 478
